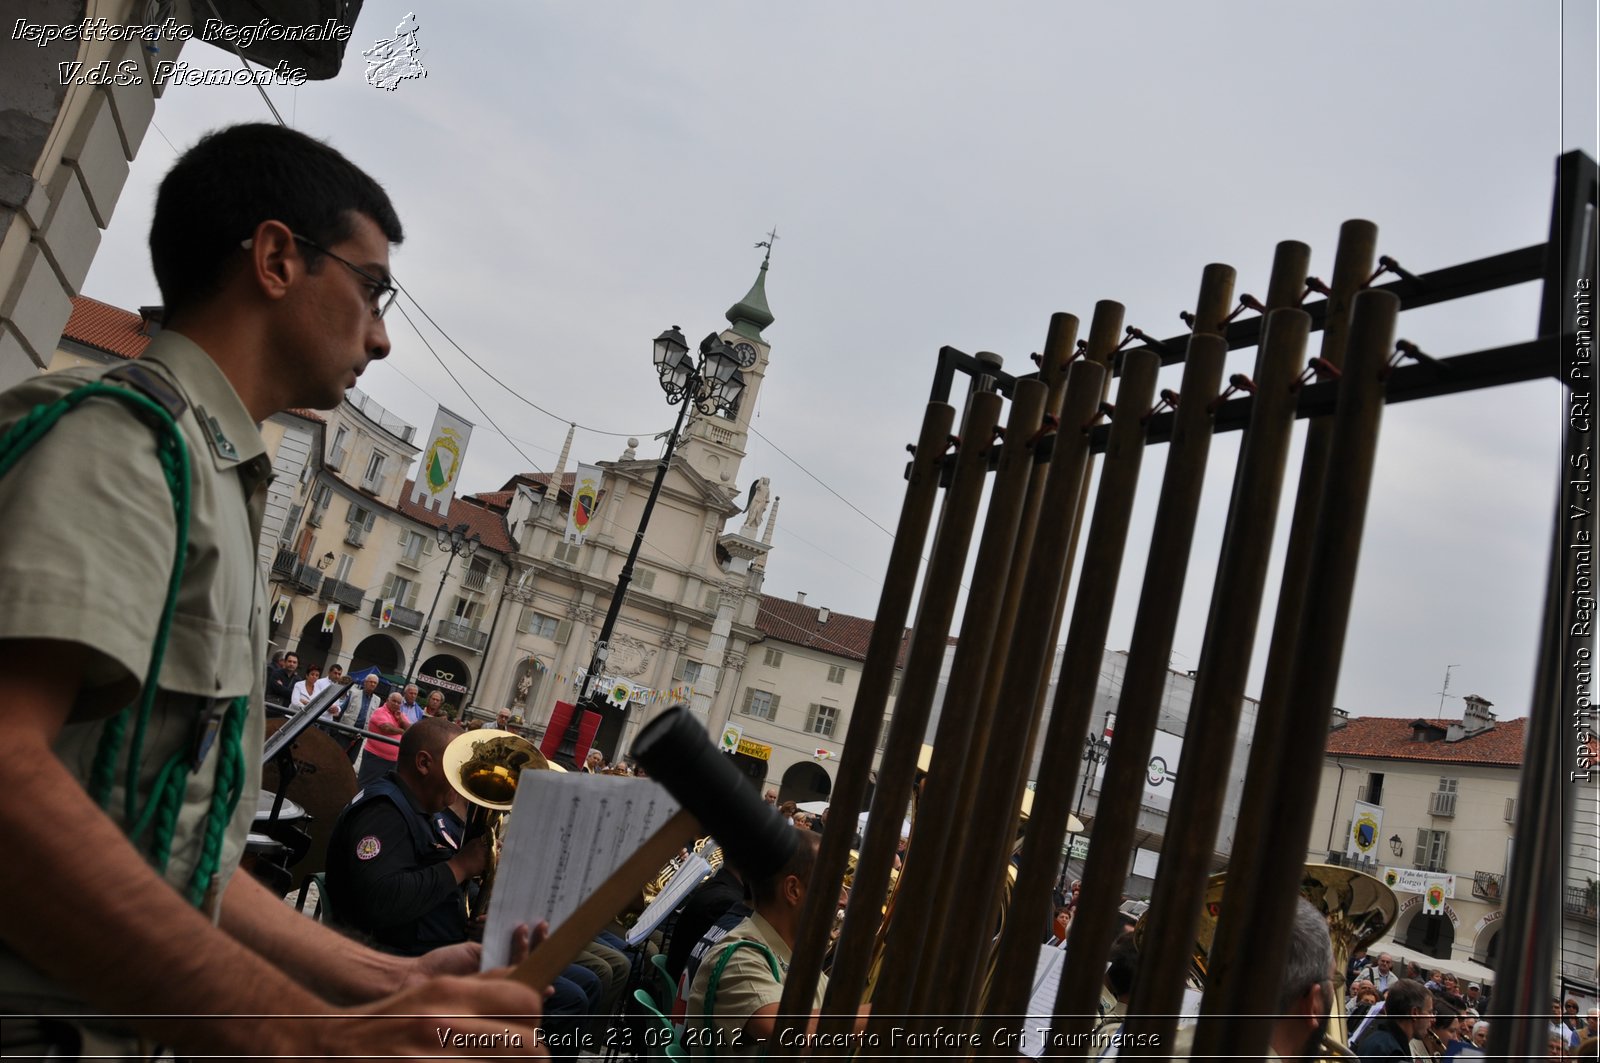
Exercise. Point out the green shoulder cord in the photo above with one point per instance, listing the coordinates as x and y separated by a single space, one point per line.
166 798
715 980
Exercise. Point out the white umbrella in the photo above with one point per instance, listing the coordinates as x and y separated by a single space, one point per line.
815 808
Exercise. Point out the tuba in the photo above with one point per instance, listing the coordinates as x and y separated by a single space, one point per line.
1358 909
483 766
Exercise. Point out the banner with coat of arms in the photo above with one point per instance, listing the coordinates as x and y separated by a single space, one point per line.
386 615
330 618
1366 827
441 461
585 498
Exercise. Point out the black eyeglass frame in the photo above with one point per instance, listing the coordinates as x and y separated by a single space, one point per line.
382 293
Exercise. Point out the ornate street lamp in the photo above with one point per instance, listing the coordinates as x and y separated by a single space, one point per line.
458 542
712 384
1096 750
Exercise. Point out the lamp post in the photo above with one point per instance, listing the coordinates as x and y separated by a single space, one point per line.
457 541
710 383
1096 750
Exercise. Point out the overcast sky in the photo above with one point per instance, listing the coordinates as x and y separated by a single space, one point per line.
575 178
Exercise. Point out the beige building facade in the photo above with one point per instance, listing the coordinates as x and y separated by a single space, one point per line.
1446 791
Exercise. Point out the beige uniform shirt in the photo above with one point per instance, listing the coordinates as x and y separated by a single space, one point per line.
746 987
85 556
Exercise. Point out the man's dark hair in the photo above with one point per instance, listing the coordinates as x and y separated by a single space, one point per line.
1123 965
1403 995
237 178
765 890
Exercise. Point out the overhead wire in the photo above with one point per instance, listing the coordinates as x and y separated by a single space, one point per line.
523 398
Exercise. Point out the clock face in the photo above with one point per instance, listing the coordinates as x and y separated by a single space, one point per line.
745 353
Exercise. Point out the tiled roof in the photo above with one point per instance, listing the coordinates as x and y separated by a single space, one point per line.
1390 738
489 525
541 480
495 499
793 622
106 328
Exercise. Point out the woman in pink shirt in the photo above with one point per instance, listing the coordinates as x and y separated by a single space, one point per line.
379 757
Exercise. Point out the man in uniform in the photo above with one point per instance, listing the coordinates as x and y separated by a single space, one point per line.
746 988
271 251
397 865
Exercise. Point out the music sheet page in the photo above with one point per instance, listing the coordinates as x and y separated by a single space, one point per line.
566 833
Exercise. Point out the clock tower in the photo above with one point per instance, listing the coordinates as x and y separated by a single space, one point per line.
714 445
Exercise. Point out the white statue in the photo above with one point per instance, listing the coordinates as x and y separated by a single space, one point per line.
755 506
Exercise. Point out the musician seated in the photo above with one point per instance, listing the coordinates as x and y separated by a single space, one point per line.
397 865
732 1001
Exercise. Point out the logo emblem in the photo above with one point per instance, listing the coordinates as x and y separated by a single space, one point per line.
1364 832
443 460
368 847
392 61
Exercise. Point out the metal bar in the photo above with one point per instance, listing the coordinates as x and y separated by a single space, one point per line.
1226 993
1187 851
1323 625
863 915
915 937
1102 563
1064 485
866 719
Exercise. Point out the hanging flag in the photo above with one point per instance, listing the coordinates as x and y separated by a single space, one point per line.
441 461
585 498
1366 825
386 616
620 693
823 754
280 609
329 619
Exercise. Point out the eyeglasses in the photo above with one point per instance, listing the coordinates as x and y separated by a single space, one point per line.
381 293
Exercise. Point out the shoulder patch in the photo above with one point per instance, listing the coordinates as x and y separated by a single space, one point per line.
368 847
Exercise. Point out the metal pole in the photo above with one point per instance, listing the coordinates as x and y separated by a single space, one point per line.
416 654
569 739
488 644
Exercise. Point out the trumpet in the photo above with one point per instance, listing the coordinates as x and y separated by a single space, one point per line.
484 766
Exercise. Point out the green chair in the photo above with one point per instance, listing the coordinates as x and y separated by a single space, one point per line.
659 1047
665 989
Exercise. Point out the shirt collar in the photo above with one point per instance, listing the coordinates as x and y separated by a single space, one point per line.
233 438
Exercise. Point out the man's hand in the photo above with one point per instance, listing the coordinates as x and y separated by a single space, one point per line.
464 959
472 860
427 1017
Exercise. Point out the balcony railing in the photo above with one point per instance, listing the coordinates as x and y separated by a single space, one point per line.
462 635
1486 885
288 568
475 579
401 617
1442 803
1580 900
342 593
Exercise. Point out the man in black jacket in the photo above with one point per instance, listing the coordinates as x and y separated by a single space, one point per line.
1407 1009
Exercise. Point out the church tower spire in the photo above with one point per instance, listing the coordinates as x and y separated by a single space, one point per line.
714 446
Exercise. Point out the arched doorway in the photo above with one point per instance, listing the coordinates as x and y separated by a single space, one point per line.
378 651
450 676
1487 948
805 782
314 646
1431 935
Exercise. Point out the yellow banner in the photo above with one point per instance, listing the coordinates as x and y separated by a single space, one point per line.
755 749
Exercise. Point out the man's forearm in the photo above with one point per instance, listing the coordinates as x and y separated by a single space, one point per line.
324 961
90 913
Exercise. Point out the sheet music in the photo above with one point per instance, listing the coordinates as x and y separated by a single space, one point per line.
565 835
678 887
1042 1001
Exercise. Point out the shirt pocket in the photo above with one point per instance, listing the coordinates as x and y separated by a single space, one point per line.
208 658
